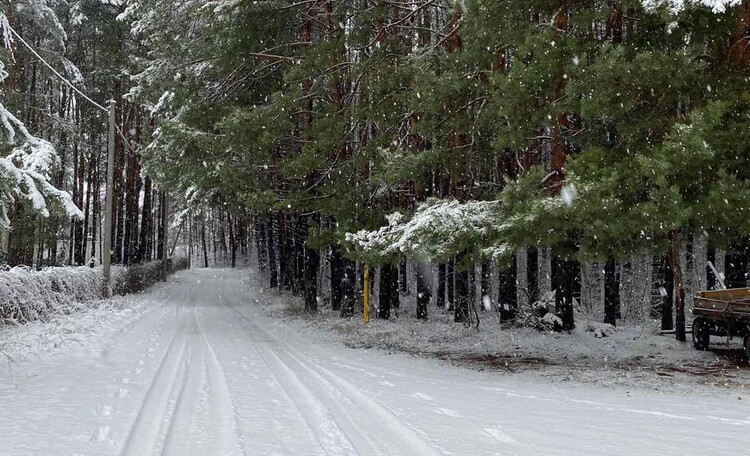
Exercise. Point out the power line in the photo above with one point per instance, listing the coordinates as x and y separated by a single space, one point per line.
62 78
72 86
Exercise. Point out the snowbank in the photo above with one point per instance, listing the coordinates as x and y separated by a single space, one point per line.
27 295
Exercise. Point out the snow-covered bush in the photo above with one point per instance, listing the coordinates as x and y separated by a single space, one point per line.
27 295
141 276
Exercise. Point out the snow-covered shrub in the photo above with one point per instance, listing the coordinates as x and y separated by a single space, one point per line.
27 295
141 276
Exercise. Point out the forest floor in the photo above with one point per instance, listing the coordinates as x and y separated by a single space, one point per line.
197 366
632 357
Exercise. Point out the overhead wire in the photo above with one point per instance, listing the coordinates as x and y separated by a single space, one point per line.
71 85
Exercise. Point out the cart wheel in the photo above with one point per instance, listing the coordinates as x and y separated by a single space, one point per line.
701 334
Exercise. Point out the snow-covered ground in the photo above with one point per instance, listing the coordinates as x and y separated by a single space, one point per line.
197 367
630 357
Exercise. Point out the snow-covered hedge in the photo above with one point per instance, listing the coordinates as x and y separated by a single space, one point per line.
141 276
28 295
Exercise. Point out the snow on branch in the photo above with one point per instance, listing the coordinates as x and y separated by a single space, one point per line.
27 170
717 6
438 228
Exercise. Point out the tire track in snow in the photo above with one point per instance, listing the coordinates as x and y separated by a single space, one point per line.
329 390
327 433
144 433
222 410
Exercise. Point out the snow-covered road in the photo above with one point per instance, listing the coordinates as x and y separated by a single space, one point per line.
203 371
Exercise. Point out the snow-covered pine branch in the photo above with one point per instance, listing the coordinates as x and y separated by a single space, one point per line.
718 6
26 172
437 229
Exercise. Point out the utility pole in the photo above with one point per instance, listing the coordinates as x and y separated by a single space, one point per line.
164 220
107 250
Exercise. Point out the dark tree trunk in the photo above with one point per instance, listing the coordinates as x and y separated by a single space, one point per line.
261 244
485 285
348 280
232 243
679 299
300 235
507 296
450 279
566 273
440 301
272 270
472 284
611 293
667 323
461 303
285 257
337 278
423 291
203 241
532 268
162 227
144 241
388 292
312 263
403 278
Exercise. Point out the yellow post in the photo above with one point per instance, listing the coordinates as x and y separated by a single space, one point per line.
366 294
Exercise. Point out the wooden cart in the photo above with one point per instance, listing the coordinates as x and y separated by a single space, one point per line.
721 313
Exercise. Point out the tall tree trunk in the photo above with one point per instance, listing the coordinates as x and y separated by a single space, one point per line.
162 227
403 279
261 244
285 257
566 280
440 301
461 303
485 285
337 277
388 292
611 292
232 243
271 236
203 241
423 290
450 278
679 298
667 322
312 263
146 222
348 282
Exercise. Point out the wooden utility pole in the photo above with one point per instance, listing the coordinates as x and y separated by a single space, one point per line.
107 250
